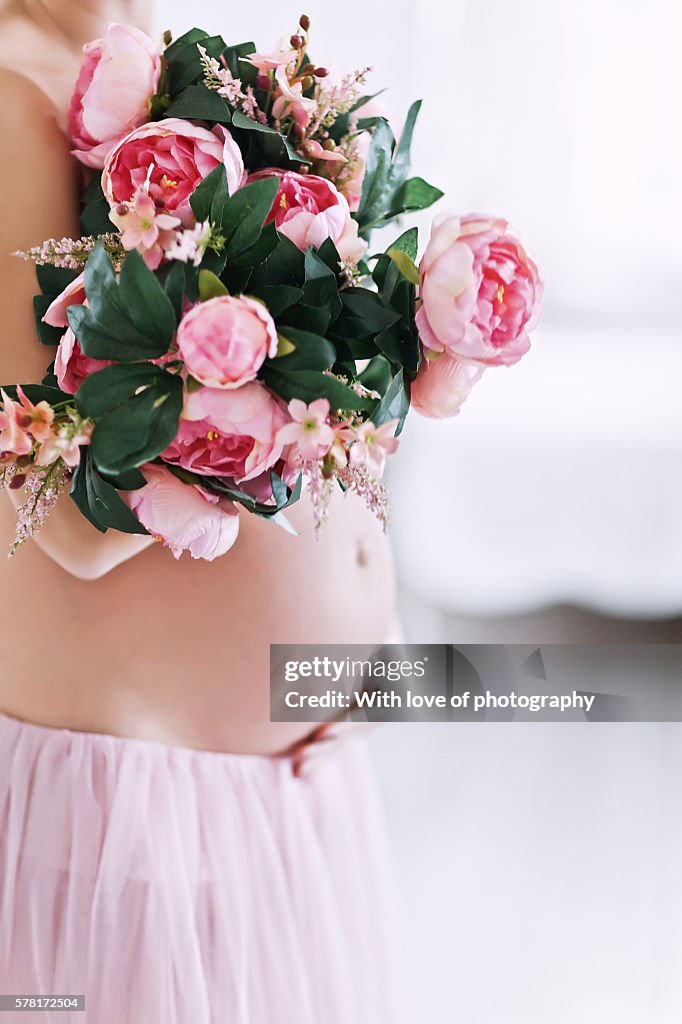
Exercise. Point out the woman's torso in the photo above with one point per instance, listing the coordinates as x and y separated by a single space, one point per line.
179 651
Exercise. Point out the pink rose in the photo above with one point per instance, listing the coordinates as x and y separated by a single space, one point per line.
71 365
480 292
442 385
118 77
229 433
173 156
309 209
224 341
184 517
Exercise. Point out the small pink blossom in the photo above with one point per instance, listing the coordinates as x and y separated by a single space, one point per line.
65 444
372 445
143 227
290 101
309 430
14 438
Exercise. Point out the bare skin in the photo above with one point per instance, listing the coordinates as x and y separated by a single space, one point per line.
109 633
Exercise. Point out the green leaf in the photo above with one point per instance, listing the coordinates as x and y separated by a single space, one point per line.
400 167
415 194
285 265
184 64
395 403
126 320
145 301
277 297
38 393
238 68
94 219
375 180
320 288
404 264
370 316
137 410
311 384
99 502
210 286
408 243
377 375
240 120
310 352
201 104
257 253
173 278
194 35
243 216
53 280
201 199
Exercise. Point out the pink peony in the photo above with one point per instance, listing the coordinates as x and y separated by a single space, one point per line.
229 433
170 158
71 365
309 209
224 341
480 292
184 517
442 385
118 77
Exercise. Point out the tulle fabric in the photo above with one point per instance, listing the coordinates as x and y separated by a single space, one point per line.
189 887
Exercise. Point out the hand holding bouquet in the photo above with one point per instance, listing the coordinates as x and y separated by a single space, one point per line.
222 333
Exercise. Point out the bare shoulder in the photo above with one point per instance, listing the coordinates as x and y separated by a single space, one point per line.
33 143
38 200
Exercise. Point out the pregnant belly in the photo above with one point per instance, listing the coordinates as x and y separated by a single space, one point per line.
179 651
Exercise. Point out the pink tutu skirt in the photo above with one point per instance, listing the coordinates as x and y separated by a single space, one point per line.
175 886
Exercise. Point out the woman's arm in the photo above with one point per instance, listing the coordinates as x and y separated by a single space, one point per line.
38 200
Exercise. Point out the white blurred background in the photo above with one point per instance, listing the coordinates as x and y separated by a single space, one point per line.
541 863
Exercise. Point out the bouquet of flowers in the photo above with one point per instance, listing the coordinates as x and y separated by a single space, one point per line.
223 332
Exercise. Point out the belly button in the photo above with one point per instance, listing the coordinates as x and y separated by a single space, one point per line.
362 555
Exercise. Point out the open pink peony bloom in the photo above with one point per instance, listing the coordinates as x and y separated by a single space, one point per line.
442 385
480 292
144 228
224 341
118 77
309 430
184 517
170 157
309 209
229 433
71 366
372 445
